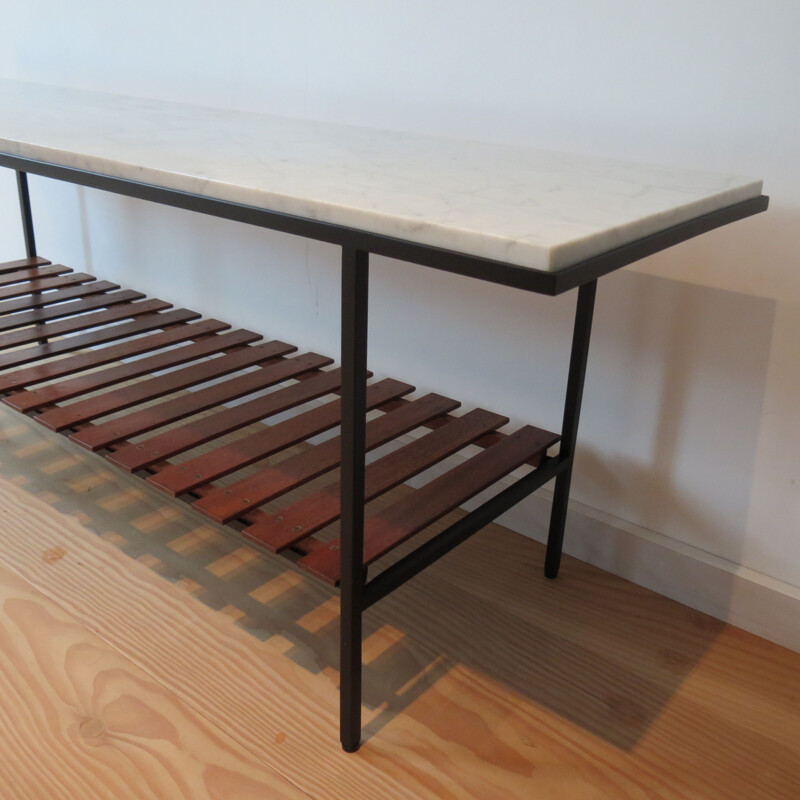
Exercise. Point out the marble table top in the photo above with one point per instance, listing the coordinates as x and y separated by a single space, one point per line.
531 208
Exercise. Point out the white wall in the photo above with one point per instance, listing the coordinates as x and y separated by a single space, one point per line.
691 431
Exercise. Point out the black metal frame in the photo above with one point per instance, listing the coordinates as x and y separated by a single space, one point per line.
355 291
27 216
356 593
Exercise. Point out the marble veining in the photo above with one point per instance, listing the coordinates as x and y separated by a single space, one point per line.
523 206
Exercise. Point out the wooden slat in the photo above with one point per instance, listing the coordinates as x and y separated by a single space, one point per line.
23 263
178 408
12 318
299 520
186 437
224 504
144 313
179 478
30 376
32 273
119 399
100 379
403 519
44 284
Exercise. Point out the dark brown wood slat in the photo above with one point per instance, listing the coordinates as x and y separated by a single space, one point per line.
23 263
301 519
120 308
229 502
179 440
403 519
67 389
119 399
11 318
80 362
32 273
179 408
179 478
44 284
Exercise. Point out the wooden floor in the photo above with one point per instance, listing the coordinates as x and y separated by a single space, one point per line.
146 653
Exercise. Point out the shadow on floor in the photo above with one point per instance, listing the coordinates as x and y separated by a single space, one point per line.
600 652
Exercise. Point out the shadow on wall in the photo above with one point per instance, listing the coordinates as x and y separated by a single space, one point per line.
757 256
675 393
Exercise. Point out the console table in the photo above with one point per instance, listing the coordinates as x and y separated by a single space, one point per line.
533 220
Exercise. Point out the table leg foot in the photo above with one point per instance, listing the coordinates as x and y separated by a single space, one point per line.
349 747
558 519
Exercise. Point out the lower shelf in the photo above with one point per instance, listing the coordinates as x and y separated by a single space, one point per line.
65 344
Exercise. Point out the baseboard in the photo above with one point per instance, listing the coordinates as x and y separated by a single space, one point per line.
741 596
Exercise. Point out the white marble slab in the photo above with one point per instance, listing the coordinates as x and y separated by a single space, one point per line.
523 206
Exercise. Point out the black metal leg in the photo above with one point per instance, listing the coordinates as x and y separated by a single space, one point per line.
27 217
355 289
27 220
569 430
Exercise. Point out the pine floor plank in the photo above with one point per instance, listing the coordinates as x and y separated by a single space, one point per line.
81 721
482 679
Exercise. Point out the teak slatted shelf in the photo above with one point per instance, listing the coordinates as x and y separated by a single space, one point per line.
65 362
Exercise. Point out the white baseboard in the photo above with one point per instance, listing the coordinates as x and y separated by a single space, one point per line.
741 596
